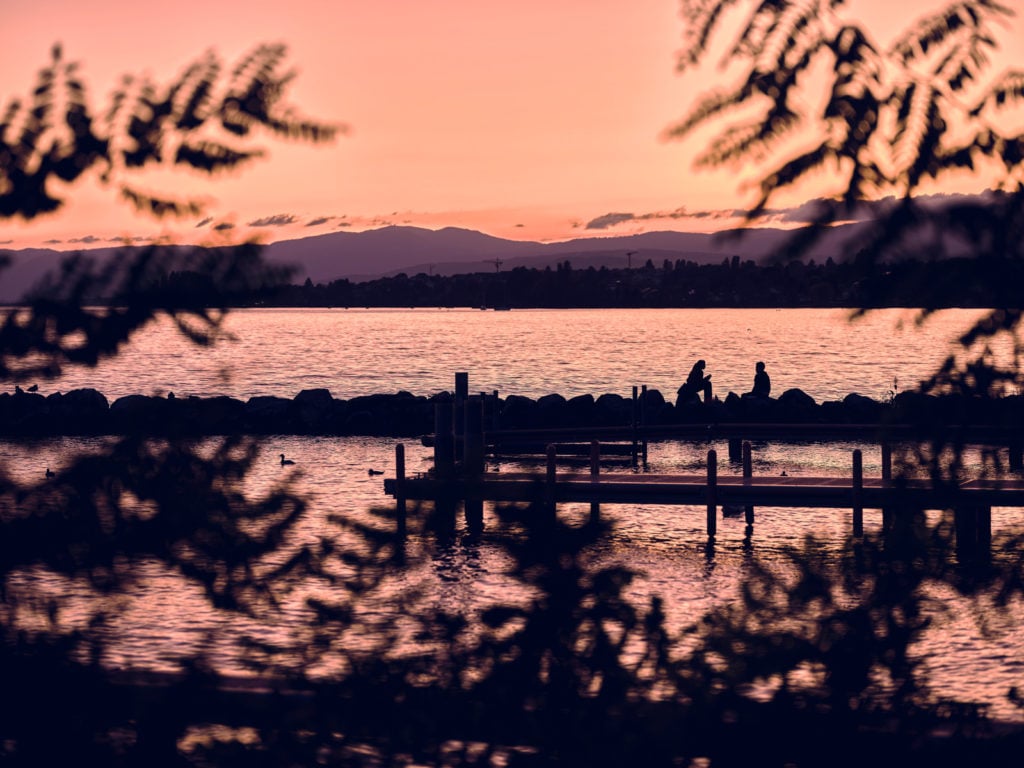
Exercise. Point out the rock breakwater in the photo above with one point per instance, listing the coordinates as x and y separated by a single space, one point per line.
402 414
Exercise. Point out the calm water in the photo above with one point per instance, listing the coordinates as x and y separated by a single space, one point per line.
530 352
281 352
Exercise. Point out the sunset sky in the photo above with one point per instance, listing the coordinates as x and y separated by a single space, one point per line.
529 119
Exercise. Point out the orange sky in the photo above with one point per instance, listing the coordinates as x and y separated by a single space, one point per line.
521 118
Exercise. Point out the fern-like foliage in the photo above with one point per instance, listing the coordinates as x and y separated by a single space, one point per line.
883 122
886 119
196 121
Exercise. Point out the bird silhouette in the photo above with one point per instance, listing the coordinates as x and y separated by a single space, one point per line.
285 462
49 472
34 388
375 471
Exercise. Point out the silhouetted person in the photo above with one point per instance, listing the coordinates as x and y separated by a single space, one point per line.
696 384
762 384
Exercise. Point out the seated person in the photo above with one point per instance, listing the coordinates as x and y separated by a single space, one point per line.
762 384
696 384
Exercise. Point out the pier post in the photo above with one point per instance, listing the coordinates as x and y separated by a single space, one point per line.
1016 456
444 439
400 510
496 412
461 394
549 483
735 449
748 474
965 522
984 529
712 493
633 424
858 493
643 425
595 473
473 459
887 516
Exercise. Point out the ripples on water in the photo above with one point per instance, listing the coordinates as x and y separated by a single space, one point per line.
533 353
164 619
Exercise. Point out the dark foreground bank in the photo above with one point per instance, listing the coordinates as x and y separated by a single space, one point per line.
402 414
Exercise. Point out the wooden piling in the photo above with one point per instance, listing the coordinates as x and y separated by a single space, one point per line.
984 522
1016 458
712 493
735 449
549 482
858 493
461 395
887 516
643 425
595 473
633 424
444 439
473 459
748 474
400 506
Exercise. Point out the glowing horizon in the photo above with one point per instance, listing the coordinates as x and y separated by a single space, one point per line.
534 120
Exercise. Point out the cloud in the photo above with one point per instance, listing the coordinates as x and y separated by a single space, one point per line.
129 240
52 242
86 239
223 226
519 226
204 222
278 220
319 221
6 242
609 220
344 224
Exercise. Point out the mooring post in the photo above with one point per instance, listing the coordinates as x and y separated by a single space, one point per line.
549 482
712 491
1016 456
643 425
461 393
984 529
748 474
400 510
473 459
858 493
496 412
633 424
444 439
735 449
887 520
595 473
965 522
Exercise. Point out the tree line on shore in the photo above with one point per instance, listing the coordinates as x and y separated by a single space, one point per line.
858 283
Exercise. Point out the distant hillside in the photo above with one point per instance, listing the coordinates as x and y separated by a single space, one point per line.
361 256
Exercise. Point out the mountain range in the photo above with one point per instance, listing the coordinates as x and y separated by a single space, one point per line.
361 256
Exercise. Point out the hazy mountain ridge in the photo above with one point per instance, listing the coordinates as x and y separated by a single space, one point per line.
390 250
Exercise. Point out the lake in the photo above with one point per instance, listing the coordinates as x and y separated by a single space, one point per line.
532 353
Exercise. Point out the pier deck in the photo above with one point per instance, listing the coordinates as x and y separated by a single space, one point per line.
632 488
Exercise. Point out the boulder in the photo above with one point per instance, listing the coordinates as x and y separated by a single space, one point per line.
861 409
795 405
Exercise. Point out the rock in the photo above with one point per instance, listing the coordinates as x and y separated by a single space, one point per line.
795 405
579 411
861 410
611 410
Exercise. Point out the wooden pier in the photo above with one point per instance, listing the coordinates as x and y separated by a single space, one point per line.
462 440
972 500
